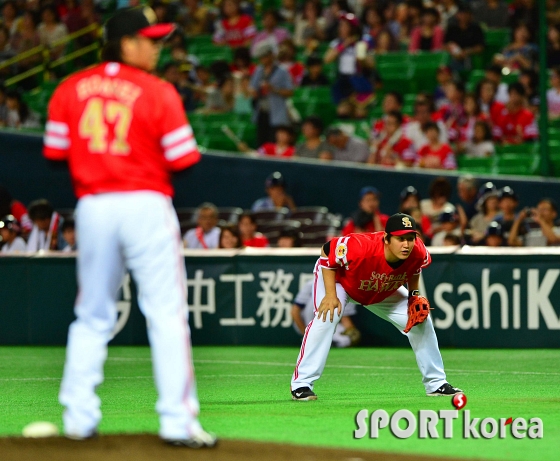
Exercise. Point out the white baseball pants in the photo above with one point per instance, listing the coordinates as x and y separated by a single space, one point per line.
138 231
318 338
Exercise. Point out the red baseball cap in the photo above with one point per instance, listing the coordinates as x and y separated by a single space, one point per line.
400 224
350 17
136 21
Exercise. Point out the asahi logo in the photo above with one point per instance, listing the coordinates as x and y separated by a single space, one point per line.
523 301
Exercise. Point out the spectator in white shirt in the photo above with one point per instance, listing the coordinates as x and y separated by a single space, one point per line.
414 129
9 230
207 233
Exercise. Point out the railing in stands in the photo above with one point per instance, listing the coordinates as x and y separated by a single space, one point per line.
47 64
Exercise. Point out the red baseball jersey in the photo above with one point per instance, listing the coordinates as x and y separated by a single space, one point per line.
444 153
271 149
452 115
257 241
120 129
236 34
363 271
19 212
510 124
378 126
403 148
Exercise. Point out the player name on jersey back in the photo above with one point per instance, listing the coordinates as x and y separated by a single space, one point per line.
107 87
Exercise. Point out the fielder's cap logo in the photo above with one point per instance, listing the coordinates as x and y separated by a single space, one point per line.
150 15
400 224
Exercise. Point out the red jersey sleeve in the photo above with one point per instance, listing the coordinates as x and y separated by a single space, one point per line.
56 141
178 143
343 251
448 158
425 255
530 129
20 213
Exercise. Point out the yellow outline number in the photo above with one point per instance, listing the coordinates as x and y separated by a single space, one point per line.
93 125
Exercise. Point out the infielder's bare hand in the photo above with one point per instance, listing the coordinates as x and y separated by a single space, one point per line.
329 304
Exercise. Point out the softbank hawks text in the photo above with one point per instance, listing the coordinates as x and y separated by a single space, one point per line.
429 424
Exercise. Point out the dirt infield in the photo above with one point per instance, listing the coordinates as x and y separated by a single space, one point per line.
150 448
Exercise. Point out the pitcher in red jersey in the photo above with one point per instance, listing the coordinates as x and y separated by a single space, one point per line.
123 132
370 269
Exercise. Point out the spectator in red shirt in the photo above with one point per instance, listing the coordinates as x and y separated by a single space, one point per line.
248 231
394 148
516 124
435 154
284 145
369 202
9 206
242 62
235 29
429 35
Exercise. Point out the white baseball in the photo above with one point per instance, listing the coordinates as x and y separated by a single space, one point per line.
40 429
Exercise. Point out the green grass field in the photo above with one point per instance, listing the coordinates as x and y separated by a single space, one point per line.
244 394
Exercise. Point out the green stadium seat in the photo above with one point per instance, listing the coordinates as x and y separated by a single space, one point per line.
429 59
408 109
518 164
199 41
555 163
482 165
496 40
521 149
322 93
410 98
554 134
395 58
410 73
397 78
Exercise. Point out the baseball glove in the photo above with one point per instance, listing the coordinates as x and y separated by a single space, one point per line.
354 335
418 311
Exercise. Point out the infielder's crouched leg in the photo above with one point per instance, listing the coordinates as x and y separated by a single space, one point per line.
422 338
317 340
161 278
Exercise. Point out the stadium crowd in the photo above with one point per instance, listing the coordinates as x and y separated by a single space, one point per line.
483 216
280 46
